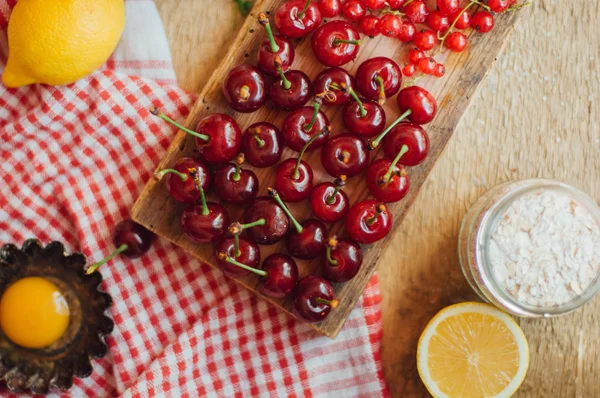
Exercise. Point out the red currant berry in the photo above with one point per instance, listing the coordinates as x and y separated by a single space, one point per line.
374 4
409 70
482 21
330 8
390 25
440 70
415 55
427 65
369 25
395 4
416 11
437 21
464 20
425 40
447 7
456 42
499 5
408 32
353 10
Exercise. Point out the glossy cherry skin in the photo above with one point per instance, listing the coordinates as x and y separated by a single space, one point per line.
382 67
411 135
336 76
262 144
228 189
293 189
205 228
245 89
290 21
330 8
420 101
384 190
225 138
327 50
277 222
320 206
305 306
293 131
296 96
310 243
366 126
282 275
265 59
249 255
349 258
357 227
137 238
345 154
187 191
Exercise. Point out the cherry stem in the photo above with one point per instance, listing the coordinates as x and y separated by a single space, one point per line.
339 183
517 7
306 5
380 209
238 164
296 173
236 244
388 176
264 21
273 193
332 303
380 82
259 141
407 3
337 42
92 268
330 246
284 80
156 112
160 174
205 211
451 27
317 107
485 6
349 90
230 260
375 143
257 223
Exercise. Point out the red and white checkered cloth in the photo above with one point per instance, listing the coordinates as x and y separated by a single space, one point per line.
74 159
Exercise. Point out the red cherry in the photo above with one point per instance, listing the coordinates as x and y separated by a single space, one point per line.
407 32
390 25
425 40
482 21
265 222
440 70
303 124
236 256
395 4
263 144
365 118
234 184
374 4
388 182
328 202
297 18
456 42
342 260
314 299
416 11
131 240
409 69
330 8
273 47
218 136
279 275
335 43
244 88
499 5
345 154
369 25
462 18
448 7
183 179
353 10
413 137
427 65
330 81
206 222
378 78
291 90
368 221
415 55
438 21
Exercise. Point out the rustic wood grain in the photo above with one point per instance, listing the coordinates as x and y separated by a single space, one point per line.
536 114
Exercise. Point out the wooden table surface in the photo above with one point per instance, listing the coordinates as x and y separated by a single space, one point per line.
536 115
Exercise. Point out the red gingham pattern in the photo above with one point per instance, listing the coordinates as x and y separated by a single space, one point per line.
74 159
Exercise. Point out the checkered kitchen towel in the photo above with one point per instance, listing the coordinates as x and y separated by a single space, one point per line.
74 159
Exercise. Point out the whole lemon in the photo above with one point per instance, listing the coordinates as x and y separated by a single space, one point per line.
60 41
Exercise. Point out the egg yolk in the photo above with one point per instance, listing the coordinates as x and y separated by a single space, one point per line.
33 313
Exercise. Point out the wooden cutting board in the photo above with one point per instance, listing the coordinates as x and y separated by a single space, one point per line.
158 212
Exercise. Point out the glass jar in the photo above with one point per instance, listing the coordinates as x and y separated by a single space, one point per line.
474 242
